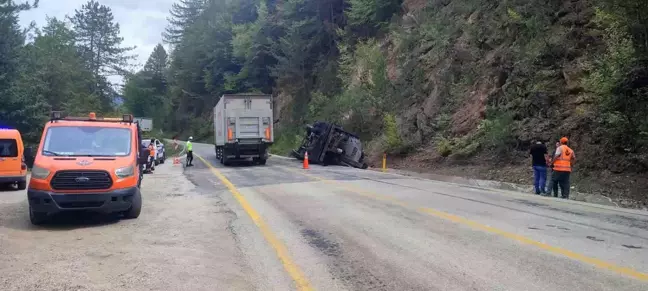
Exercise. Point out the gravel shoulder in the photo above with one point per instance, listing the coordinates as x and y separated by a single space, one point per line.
183 240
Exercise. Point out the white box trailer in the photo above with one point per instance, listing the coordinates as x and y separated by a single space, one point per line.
146 124
243 127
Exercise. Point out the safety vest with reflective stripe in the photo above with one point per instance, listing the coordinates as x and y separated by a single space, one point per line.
189 146
563 162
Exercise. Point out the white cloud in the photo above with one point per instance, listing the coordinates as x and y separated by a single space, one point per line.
141 21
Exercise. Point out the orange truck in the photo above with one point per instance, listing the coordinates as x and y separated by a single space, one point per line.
13 170
87 164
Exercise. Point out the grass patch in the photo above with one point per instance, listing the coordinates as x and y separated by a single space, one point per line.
286 141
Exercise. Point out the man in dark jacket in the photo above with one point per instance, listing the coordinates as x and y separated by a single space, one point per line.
539 158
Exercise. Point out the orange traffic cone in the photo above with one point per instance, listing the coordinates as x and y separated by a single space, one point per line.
306 160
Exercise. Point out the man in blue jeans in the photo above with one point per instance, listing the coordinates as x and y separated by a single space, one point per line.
539 156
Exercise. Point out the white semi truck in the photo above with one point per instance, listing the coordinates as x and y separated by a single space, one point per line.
243 127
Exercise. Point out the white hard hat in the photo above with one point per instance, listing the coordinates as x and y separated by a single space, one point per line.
191 137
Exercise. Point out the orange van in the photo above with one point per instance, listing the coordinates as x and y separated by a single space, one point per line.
13 170
86 163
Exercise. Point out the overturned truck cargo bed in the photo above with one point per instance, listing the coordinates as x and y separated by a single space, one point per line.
330 144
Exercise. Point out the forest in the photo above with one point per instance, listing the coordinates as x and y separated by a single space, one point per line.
451 86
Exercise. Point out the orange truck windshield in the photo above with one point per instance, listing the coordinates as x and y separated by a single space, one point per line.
92 141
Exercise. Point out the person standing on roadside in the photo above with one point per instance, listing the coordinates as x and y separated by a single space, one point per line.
539 158
550 165
189 152
562 167
151 148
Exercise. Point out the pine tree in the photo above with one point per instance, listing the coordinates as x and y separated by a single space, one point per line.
98 40
145 92
183 15
11 40
54 60
21 106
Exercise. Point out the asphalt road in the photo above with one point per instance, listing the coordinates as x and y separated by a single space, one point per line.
337 228
280 227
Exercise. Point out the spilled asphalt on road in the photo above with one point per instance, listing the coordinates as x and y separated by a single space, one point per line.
280 227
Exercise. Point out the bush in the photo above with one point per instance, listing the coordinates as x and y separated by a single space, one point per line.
609 69
496 131
443 146
392 136
285 141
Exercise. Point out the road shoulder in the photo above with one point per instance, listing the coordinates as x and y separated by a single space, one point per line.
183 240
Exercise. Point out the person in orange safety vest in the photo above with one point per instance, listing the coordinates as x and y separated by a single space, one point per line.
561 163
151 148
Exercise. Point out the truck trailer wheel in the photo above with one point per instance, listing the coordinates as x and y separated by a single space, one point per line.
224 160
262 161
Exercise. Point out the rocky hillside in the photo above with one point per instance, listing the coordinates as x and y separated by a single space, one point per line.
475 82
499 75
455 86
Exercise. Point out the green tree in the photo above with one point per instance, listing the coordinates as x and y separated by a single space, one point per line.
183 15
11 40
145 93
20 106
56 64
98 40
367 17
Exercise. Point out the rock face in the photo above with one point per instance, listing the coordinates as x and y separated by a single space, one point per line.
497 78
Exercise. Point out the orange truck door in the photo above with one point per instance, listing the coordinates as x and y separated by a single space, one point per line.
10 160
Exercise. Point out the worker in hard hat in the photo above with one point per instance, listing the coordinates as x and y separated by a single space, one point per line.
562 167
189 152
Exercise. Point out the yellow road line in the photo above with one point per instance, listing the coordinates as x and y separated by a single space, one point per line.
282 252
476 225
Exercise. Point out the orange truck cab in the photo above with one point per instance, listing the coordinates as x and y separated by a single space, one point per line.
89 164
13 170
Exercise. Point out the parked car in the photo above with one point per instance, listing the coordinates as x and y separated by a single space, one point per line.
160 151
13 169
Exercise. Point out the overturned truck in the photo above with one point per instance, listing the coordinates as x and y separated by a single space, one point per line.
330 144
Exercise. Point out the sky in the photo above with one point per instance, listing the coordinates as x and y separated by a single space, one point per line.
141 21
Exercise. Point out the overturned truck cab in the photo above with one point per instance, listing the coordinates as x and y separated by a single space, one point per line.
330 144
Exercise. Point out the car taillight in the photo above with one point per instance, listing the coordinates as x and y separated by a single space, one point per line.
23 166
